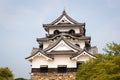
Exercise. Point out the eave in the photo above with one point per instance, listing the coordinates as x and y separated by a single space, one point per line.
38 53
64 34
47 26
82 53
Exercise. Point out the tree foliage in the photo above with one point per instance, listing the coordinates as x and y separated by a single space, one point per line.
112 49
105 67
6 74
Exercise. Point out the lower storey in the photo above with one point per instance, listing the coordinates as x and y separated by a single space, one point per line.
53 76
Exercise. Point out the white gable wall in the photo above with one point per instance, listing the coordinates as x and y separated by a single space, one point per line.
83 58
61 46
58 60
65 19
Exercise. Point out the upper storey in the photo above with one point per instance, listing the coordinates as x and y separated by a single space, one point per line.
65 24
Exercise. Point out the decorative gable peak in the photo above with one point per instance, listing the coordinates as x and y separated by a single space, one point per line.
64 19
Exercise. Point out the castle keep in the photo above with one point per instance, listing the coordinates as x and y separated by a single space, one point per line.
64 47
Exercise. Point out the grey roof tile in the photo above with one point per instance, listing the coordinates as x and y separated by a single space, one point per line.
35 51
64 34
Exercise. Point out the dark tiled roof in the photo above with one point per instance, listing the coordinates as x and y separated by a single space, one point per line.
68 17
62 52
80 52
64 34
52 24
65 25
35 51
66 41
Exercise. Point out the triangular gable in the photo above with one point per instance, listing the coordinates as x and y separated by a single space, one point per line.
30 58
52 46
62 46
84 56
64 19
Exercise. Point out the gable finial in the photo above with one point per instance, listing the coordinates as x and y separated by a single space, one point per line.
64 12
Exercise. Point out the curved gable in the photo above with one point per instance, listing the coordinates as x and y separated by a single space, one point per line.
62 44
84 56
30 58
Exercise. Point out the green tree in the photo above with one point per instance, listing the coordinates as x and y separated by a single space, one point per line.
112 49
6 74
105 67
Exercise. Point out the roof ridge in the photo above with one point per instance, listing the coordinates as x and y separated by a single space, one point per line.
64 13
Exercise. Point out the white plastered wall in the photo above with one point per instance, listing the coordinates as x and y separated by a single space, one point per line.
62 29
58 60
83 58
80 42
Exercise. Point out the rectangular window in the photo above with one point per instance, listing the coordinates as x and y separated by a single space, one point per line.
43 68
79 63
62 68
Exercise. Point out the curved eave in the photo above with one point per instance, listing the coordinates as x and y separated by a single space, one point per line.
47 26
81 53
64 34
64 24
30 58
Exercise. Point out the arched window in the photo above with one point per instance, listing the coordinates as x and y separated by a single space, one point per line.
56 32
71 31
77 45
41 46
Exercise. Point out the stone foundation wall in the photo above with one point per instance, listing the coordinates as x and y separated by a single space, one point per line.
53 76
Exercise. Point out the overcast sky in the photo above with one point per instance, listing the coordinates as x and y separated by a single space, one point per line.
21 23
